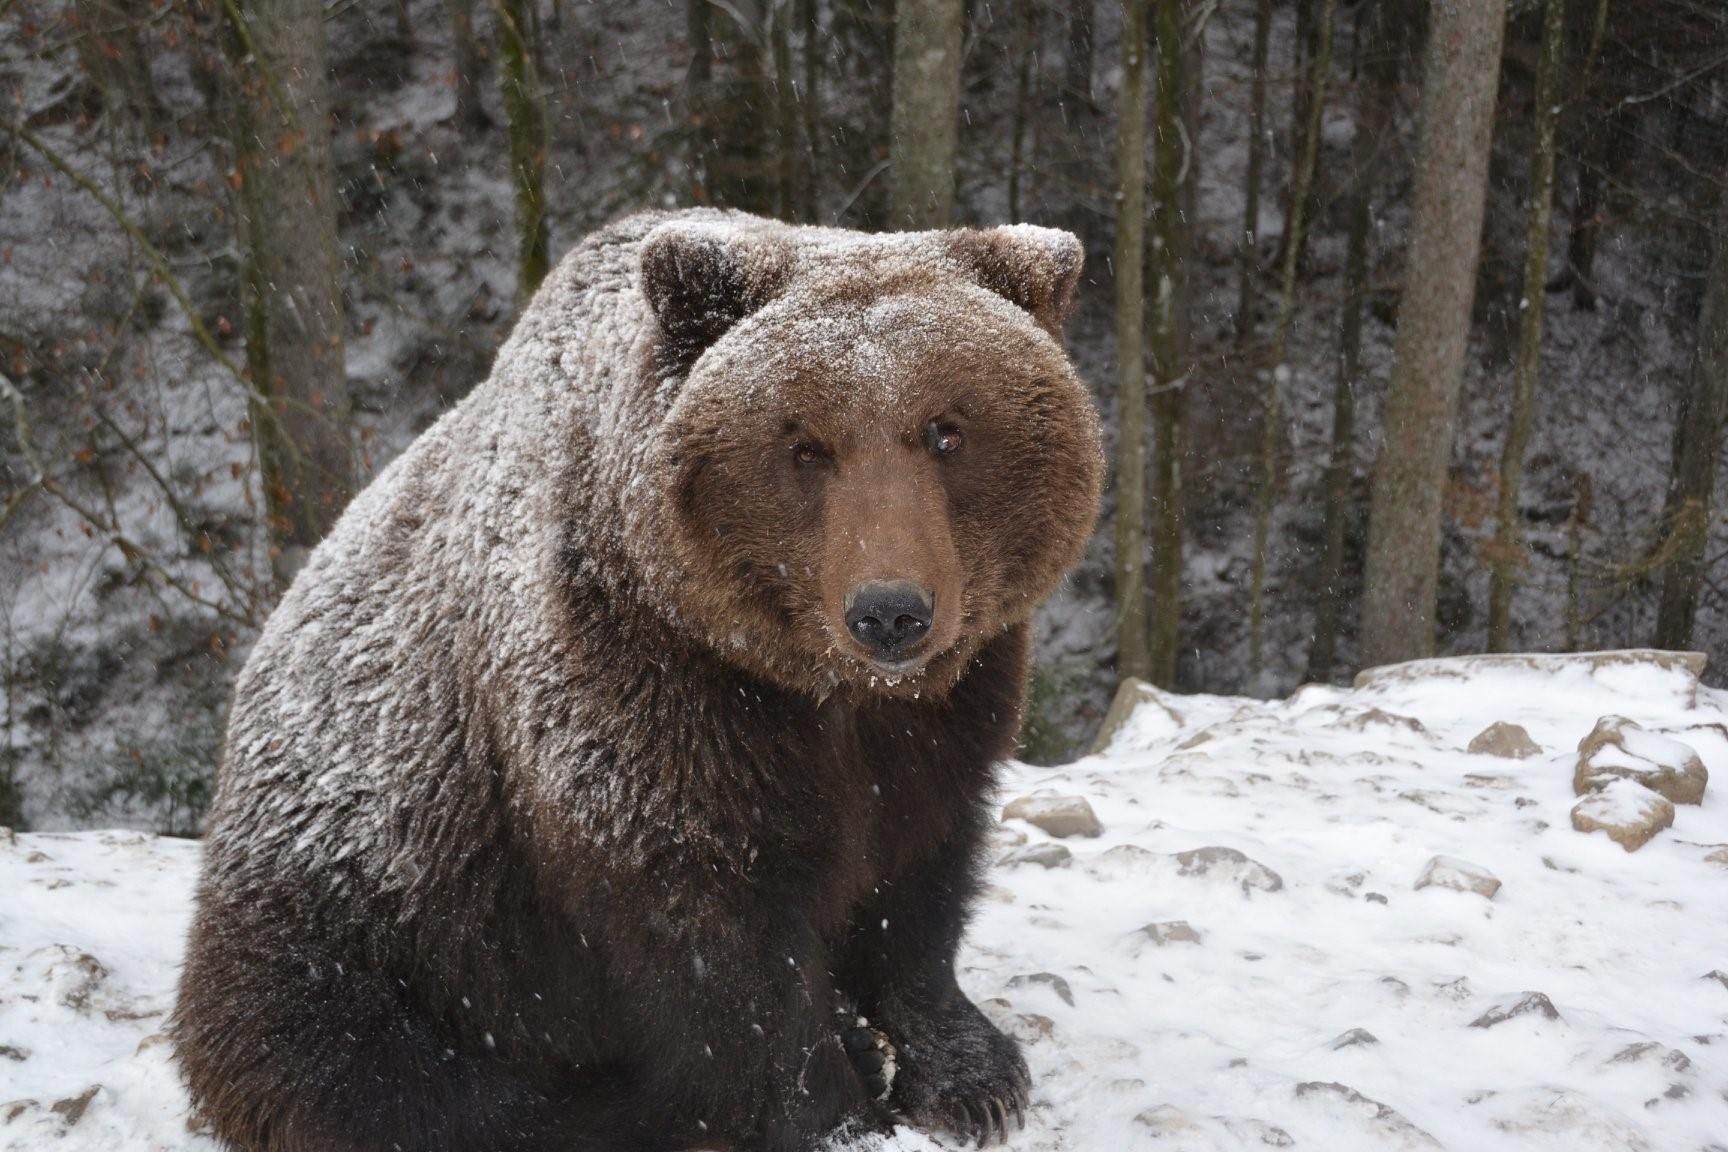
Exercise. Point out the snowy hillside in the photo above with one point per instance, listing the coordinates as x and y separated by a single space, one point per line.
1239 956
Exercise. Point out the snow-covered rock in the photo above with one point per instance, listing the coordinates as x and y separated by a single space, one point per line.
1059 816
1164 1008
1621 749
1458 875
1630 813
1508 741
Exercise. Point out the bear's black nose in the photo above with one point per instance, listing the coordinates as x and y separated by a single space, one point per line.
889 617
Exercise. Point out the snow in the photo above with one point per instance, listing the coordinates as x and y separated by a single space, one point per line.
1287 987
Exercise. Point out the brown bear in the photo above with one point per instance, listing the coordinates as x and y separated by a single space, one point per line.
628 743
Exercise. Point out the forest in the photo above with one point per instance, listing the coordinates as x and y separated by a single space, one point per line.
1408 320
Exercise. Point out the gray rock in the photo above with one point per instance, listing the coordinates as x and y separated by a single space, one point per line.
1043 855
1387 1122
1355 1038
1215 860
1508 741
1059 816
1168 932
1458 875
1526 1004
1131 695
1049 980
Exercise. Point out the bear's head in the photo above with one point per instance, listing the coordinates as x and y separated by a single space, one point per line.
875 455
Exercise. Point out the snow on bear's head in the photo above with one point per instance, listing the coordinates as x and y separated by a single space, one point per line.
877 456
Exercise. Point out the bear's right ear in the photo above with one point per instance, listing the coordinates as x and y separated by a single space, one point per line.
701 279
1034 268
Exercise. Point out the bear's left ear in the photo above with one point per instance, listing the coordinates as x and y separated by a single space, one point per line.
1036 268
701 278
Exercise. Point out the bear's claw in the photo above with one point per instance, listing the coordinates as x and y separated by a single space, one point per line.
987 1122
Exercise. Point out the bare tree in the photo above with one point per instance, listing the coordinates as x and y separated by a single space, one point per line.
1697 443
1378 50
287 221
1459 85
1172 152
1506 556
1133 657
470 109
1272 417
926 117
527 131
1080 47
1248 255
111 51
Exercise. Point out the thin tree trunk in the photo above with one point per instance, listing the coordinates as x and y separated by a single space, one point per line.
404 24
111 52
1575 523
812 100
1373 122
471 115
788 136
1272 430
1080 46
698 95
1697 443
1026 35
926 118
1307 33
1171 153
1133 658
1507 555
290 272
1249 254
527 130
1459 85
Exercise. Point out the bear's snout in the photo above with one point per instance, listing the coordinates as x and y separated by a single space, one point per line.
890 618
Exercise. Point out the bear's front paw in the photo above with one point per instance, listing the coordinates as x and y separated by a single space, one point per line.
873 1056
963 1076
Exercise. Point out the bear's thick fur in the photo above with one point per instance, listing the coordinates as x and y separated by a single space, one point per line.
566 804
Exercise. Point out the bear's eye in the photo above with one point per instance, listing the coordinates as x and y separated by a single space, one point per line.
806 455
943 439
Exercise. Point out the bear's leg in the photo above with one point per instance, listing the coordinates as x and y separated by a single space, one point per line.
731 1010
953 1069
289 1052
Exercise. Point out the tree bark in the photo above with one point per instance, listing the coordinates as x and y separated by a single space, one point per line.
1171 168
286 206
698 95
471 115
926 117
1697 443
1459 86
527 130
1133 658
812 102
1026 42
1080 47
1249 253
1272 426
1507 555
788 136
1373 125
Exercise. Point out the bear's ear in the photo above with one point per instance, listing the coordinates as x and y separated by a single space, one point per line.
1036 268
701 279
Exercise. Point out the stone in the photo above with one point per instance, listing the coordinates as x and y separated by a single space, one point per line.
1507 741
1689 664
1630 813
1166 1120
1387 1123
1168 932
1043 855
1251 875
1618 748
72 1108
1719 856
13 1052
1059 816
1355 1038
1379 718
1458 875
1133 694
1526 1004
1049 980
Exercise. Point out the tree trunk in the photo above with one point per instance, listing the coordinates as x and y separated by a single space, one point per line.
1249 254
1459 85
1697 443
742 116
1171 155
1373 125
287 222
812 101
698 95
527 129
1026 43
1507 554
111 52
471 115
788 136
1272 431
926 117
1133 657
1080 46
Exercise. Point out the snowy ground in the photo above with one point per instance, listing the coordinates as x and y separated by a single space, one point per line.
1314 999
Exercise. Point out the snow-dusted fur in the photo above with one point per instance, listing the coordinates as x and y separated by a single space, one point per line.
556 810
